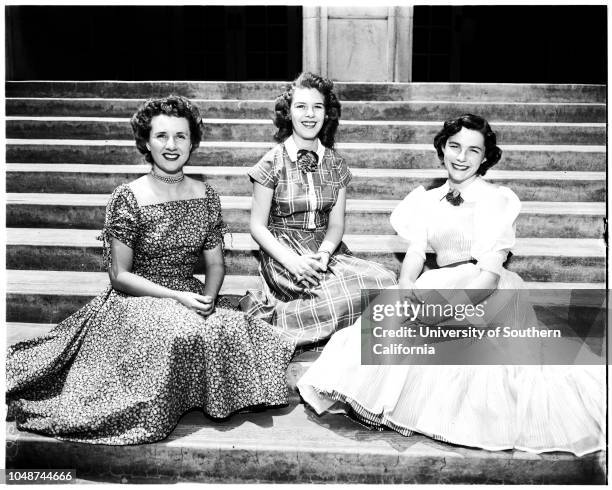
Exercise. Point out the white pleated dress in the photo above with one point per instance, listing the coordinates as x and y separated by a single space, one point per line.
536 408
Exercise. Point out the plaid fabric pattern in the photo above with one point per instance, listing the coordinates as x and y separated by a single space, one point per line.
313 315
299 196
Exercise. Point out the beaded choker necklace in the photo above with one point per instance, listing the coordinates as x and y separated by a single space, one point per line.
168 180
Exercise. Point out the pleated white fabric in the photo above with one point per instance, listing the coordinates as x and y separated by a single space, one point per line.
531 408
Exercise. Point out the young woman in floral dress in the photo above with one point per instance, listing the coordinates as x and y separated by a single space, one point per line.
156 342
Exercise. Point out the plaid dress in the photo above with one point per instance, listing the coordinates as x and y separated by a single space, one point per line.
299 216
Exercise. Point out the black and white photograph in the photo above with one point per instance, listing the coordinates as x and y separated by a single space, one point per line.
305 243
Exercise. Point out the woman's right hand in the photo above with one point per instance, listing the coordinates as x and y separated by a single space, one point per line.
305 268
203 305
408 286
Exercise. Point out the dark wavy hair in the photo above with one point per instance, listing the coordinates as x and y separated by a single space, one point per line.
282 108
173 105
469 121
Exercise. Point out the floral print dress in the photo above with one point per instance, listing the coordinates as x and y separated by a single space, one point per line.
123 369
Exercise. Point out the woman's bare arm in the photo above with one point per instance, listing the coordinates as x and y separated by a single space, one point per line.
411 269
298 265
215 271
123 279
335 226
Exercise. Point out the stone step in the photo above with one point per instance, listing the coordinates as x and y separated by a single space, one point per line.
557 296
366 183
480 92
86 211
349 131
48 297
534 259
88 284
292 445
426 110
358 155
18 332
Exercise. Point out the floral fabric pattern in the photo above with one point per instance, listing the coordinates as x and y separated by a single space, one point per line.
123 369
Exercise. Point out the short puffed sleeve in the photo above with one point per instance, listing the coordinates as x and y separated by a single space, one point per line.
494 228
267 171
120 222
408 219
217 226
343 174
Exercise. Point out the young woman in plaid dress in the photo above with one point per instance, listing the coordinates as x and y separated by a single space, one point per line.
311 282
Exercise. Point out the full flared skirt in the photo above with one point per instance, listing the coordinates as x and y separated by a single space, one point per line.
536 408
123 369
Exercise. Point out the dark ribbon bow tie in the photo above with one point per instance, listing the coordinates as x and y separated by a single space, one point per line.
454 197
307 160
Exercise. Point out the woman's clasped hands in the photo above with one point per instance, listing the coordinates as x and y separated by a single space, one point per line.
307 269
204 305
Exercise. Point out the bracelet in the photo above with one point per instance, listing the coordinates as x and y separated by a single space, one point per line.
325 252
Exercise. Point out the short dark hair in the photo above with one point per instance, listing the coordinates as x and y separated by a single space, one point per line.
173 105
282 108
469 121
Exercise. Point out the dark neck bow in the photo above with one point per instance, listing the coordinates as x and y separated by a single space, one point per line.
454 197
307 160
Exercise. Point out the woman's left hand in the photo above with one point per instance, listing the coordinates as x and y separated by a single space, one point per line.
322 258
208 306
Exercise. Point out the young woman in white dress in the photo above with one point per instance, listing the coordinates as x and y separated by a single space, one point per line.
469 223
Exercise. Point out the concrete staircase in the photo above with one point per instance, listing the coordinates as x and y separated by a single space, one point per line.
69 144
